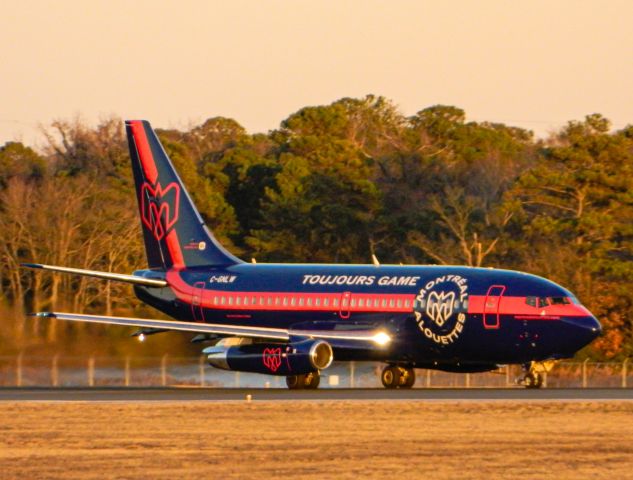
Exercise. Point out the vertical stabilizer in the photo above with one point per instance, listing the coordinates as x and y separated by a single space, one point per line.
175 234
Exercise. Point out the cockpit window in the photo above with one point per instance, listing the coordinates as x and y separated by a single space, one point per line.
558 300
542 302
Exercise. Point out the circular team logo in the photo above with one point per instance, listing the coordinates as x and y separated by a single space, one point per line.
440 308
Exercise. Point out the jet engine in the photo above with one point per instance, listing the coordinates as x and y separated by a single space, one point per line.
297 358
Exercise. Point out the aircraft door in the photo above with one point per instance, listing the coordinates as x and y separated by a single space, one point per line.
196 302
491 306
346 298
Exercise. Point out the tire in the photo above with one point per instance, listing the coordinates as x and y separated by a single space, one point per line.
533 380
295 382
539 380
391 377
312 380
409 378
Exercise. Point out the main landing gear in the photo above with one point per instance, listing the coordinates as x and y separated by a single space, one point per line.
394 376
308 381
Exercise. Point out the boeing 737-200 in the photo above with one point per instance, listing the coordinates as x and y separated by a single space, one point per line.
295 319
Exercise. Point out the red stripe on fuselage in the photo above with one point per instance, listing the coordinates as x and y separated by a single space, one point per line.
518 306
359 302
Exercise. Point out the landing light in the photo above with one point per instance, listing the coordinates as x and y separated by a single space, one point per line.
381 338
141 337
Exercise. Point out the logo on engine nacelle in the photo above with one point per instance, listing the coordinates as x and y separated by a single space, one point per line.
271 357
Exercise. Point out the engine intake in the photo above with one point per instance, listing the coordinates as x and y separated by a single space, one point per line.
296 358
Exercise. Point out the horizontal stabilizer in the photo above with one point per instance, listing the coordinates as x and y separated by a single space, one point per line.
118 277
375 336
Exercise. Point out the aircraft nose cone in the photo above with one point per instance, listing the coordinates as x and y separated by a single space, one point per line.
584 330
594 327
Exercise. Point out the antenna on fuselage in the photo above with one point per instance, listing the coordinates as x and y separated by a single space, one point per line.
374 260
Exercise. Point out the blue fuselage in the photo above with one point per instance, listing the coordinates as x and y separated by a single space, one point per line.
437 315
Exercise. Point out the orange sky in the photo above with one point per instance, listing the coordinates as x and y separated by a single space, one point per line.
535 64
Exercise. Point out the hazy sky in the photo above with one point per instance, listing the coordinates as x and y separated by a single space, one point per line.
535 63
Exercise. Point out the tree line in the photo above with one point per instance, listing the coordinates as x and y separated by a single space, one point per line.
334 183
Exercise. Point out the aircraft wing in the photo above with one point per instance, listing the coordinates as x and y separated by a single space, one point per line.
373 335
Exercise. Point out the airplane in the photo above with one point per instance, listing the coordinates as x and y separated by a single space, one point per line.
293 320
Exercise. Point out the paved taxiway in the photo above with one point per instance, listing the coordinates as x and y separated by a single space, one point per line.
218 394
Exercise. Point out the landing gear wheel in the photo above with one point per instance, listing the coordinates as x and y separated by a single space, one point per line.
407 379
309 381
533 380
312 380
391 377
295 382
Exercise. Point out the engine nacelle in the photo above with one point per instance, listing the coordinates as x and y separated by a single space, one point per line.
272 358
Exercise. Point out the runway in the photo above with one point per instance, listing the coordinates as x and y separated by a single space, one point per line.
273 394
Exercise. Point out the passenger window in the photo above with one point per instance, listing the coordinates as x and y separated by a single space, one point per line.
317 302
377 302
285 301
542 302
326 302
399 303
231 300
215 300
353 302
301 302
309 302
335 302
384 302
223 300
361 302
391 303
293 301
531 301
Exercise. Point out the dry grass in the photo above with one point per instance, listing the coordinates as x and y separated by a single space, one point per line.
316 440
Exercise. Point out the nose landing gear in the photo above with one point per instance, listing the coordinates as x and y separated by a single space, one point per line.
532 380
394 376
534 373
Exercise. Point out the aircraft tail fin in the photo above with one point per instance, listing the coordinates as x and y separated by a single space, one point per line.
174 233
